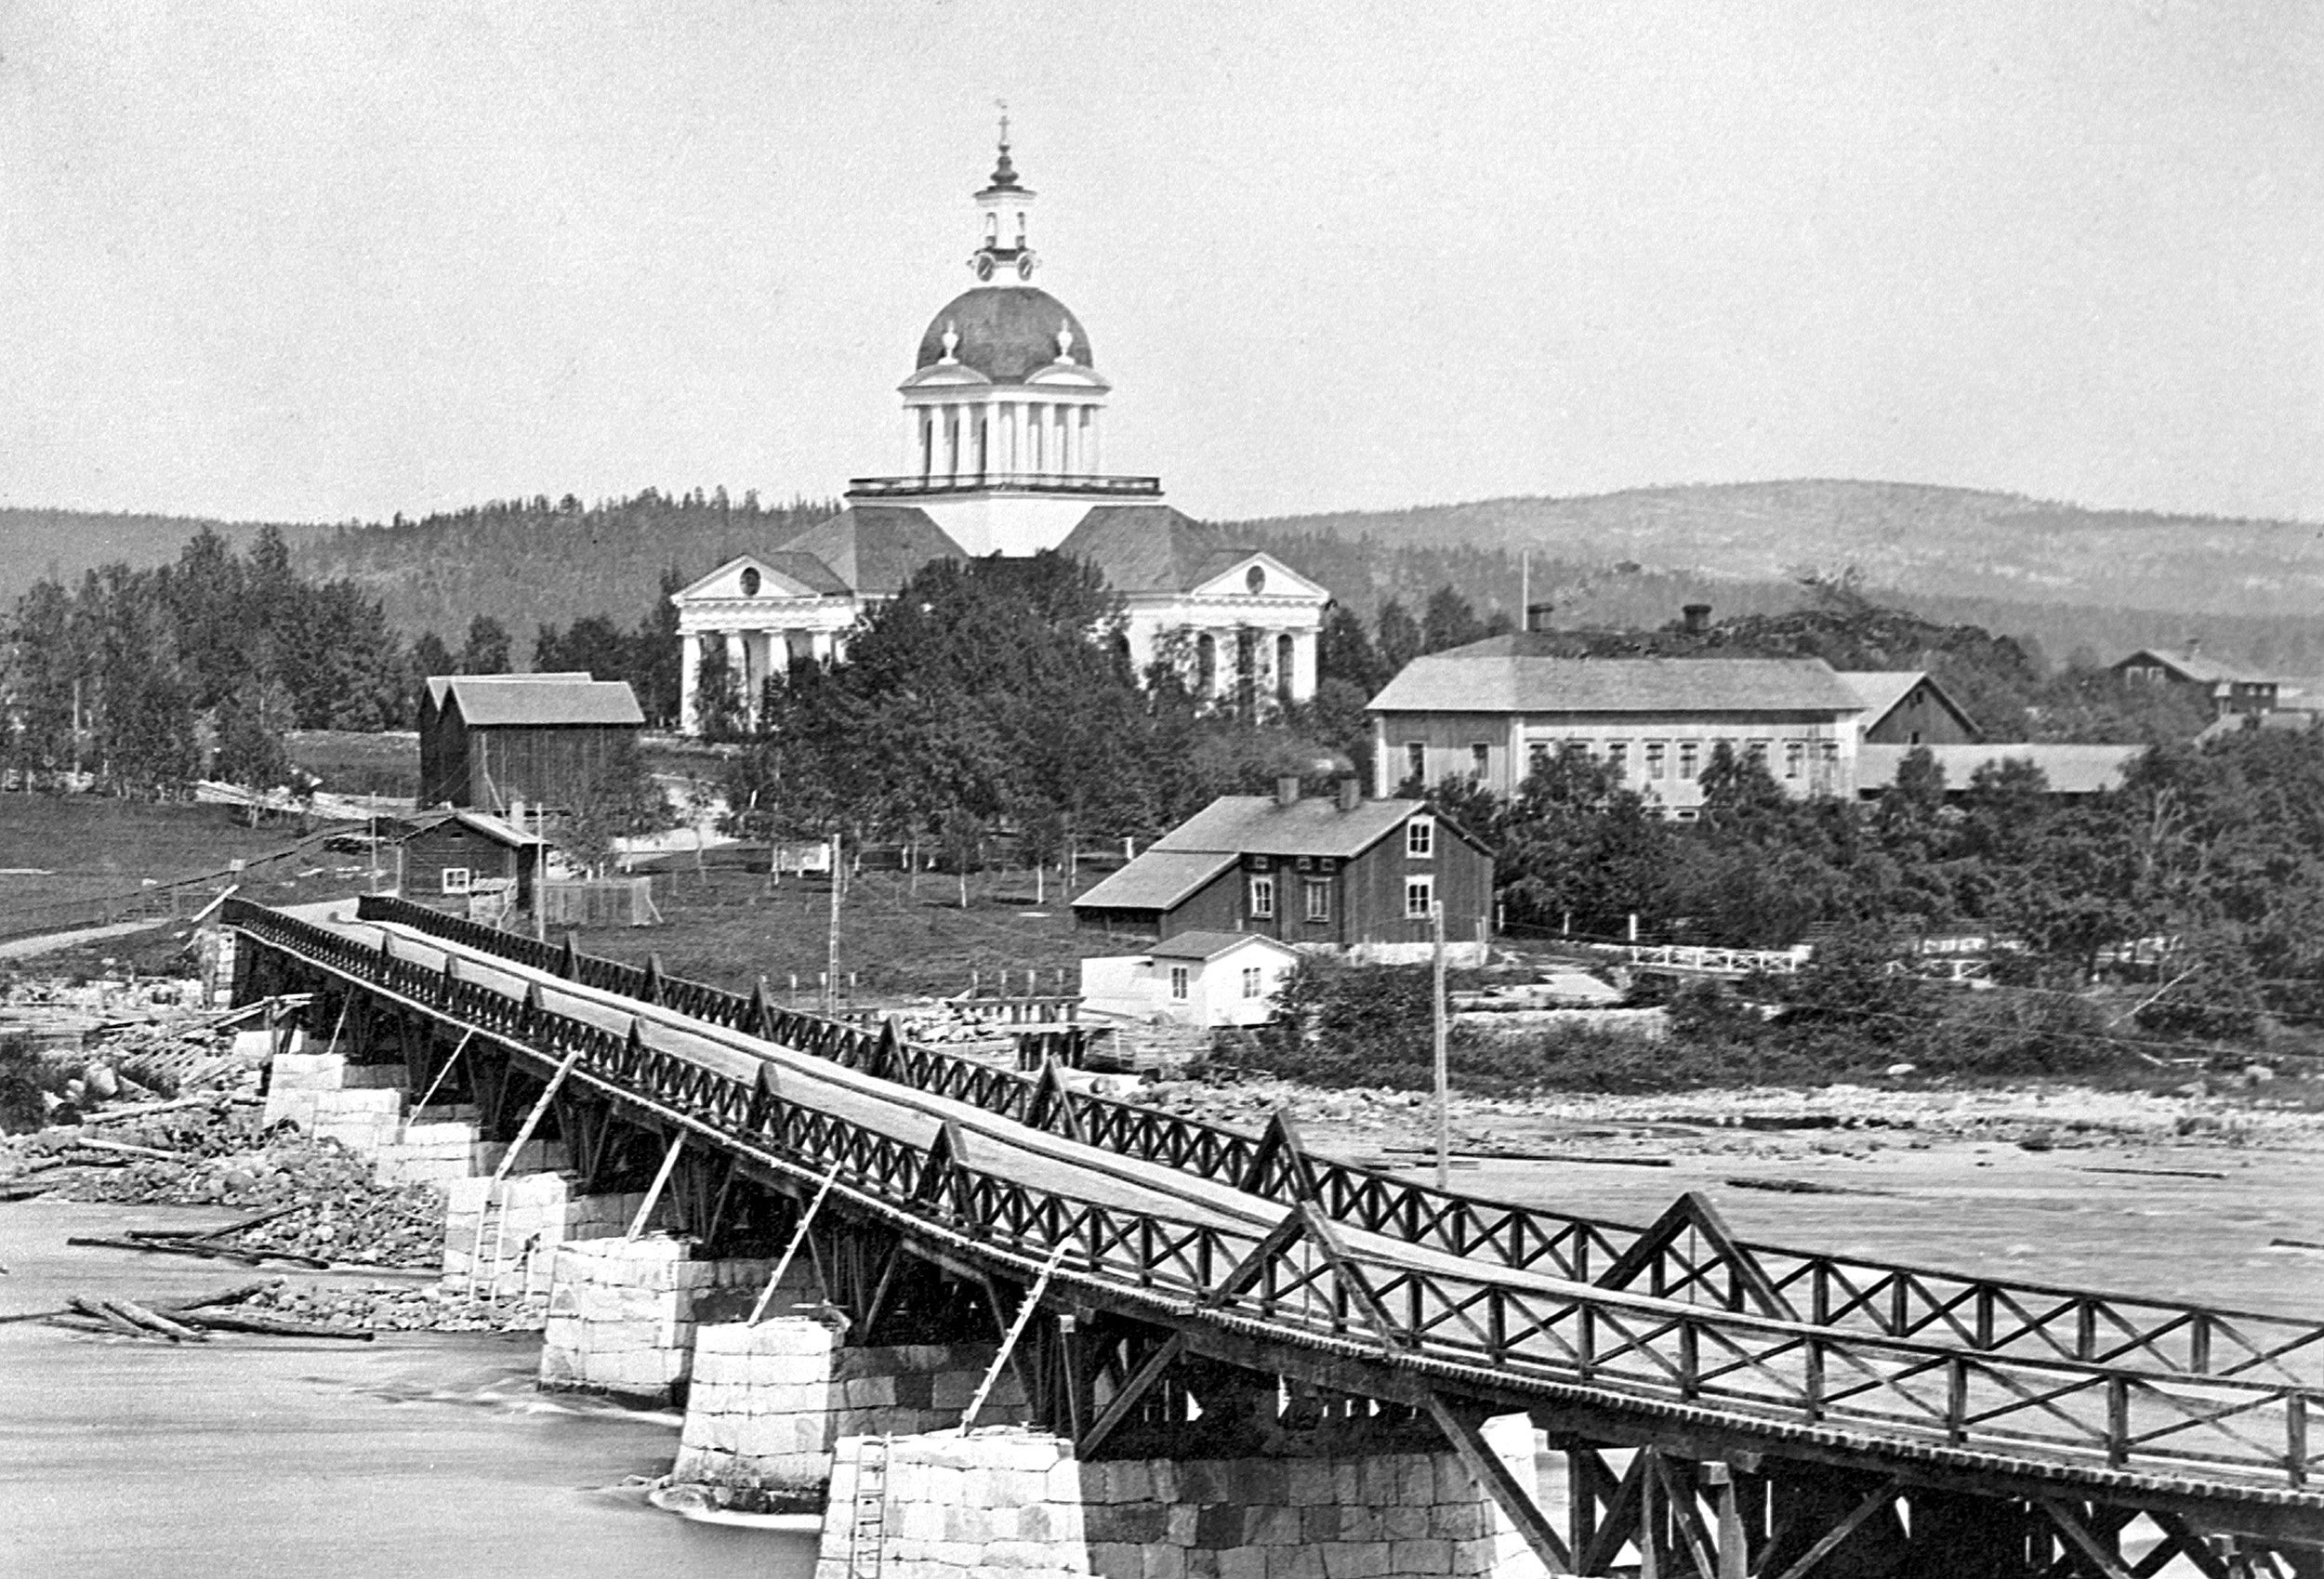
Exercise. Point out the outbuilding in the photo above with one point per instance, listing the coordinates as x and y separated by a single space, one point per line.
1192 978
446 858
491 740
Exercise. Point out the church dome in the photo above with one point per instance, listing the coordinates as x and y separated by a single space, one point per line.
1005 331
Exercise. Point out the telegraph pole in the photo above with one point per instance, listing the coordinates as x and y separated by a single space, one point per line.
831 951
1444 1076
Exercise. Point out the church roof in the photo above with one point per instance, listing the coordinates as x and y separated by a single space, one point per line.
1151 547
869 550
1007 333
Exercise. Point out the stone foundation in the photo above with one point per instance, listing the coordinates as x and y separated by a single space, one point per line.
359 1105
769 1403
1016 1501
623 1313
506 1248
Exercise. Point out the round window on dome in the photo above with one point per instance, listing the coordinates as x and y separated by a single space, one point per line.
1256 581
750 582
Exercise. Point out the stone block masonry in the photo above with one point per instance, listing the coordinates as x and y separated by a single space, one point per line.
504 1238
359 1105
623 1313
768 1402
1014 1502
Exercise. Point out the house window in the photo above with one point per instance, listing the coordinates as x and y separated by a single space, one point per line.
1250 981
1420 839
1618 757
1416 762
1690 759
456 879
1480 760
1794 757
1318 897
1263 899
1658 759
1536 756
1419 898
1178 980
1757 750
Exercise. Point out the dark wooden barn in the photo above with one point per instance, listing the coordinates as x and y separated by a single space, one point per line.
1341 872
490 741
447 856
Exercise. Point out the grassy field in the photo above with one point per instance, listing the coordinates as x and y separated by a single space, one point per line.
730 927
359 764
64 853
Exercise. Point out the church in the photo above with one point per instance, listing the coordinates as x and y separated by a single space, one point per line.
1005 454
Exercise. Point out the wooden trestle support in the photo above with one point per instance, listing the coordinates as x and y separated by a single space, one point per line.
1710 1407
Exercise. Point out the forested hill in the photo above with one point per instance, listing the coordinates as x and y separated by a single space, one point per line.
1946 542
60 545
528 562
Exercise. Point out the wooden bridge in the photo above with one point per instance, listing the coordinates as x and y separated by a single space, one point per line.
1776 1412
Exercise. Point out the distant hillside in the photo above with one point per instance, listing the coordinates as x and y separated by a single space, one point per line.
2069 578
63 544
529 563
1950 542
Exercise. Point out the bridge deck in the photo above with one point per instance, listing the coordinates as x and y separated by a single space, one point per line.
1189 1250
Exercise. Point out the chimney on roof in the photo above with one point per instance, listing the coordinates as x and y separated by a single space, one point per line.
1537 616
1696 618
1351 792
2194 647
1287 789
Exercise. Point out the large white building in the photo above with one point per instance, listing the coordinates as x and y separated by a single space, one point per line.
1004 453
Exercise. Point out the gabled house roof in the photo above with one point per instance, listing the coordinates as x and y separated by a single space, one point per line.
1883 691
1260 824
497 829
1210 945
2193 667
541 700
1502 674
872 551
1156 881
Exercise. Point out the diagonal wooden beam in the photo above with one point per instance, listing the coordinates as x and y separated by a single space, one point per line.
1050 1098
1486 1467
1878 1498
2070 1524
1326 1235
2178 1539
943 1152
1282 1142
1679 1496
1621 1520
1131 1394
1694 1211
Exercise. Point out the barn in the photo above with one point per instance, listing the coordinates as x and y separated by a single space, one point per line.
491 740
1331 872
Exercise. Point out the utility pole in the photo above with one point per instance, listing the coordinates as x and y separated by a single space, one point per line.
1444 1076
831 951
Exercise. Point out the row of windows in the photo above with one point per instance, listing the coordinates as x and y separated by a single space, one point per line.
1658 759
1419 898
1254 984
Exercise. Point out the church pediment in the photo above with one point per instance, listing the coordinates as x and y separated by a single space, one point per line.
1066 376
946 376
1254 576
748 578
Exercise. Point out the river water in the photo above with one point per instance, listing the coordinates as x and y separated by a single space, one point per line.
420 1454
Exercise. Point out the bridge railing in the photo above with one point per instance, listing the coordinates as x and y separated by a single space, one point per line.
1510 1330
1854 1294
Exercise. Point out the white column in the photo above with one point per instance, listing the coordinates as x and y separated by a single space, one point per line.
1097 460
1302 665
1006 414
1060 463
689 680
918 465
819 646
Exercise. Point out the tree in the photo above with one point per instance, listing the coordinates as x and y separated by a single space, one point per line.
487 649
1448 621
1398 640
250 725
431 657
620 801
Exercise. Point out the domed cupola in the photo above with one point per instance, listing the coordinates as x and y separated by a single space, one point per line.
1004 399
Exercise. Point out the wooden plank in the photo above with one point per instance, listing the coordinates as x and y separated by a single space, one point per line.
1876 1499
2108 1563
1133 1393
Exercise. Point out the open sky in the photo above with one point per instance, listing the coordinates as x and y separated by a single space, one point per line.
307 260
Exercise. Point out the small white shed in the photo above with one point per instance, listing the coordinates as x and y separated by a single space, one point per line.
1192 978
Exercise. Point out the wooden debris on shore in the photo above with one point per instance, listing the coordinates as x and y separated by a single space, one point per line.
206 1251
1500 1155
192 1320
2159 1173
1800 1186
